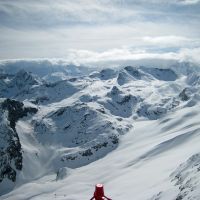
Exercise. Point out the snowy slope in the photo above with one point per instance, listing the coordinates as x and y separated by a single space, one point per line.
144 166
135 129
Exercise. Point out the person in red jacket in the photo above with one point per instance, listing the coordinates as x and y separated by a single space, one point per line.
99 193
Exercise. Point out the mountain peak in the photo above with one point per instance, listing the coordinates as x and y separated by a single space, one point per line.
23 79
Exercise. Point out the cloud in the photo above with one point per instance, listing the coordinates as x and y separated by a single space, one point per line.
189 2
171 41
116 57
49 28
50 13
55 43
190 55
111 58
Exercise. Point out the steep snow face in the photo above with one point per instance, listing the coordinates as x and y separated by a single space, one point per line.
51 92
83 131
22 82
82 119
161 74
104 74
187 178
123 78
137 73
119 103
23 79
193 79
151 112
132 73
26 86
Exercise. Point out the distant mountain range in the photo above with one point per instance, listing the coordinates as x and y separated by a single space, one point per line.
57 119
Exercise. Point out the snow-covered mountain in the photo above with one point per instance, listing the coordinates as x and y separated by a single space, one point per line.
49 70
135 129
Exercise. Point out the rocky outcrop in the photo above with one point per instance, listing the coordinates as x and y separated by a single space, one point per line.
187 178
185 94
10 147
87 132
151 112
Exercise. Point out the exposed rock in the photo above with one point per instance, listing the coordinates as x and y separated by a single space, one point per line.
187 178
151 112
185 94
61 173
10 146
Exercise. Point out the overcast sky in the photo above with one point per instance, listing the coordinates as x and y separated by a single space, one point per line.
99 29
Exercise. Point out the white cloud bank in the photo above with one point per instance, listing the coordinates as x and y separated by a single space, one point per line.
112 58
187 2
116 57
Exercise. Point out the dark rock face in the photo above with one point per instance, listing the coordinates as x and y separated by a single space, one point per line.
16 111
10 147
185 94
134 72
151 112
106 74
11 155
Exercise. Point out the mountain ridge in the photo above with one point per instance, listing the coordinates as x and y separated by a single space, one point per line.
80 120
